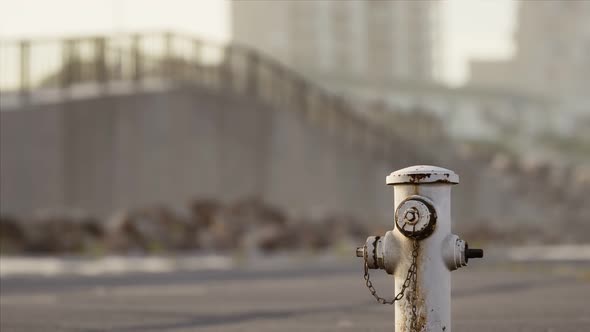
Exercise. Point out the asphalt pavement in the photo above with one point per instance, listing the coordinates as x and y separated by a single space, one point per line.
319 296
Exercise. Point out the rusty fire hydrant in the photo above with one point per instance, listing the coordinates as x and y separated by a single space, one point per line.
420 251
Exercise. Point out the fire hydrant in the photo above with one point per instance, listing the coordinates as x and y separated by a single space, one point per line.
420 251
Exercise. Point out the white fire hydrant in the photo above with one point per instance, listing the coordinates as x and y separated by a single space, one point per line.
420 251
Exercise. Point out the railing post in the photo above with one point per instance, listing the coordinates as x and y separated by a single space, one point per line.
357 131
278 81
347 126
137 58
198 62
67 64
303 94
253 75
226 69
168 69
330 112
25 73
100 61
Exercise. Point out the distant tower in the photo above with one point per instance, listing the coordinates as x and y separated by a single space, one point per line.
344 40
553 47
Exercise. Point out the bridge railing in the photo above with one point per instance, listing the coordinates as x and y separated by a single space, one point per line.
62 64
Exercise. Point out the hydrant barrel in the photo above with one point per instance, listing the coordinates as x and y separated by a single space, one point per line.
433 291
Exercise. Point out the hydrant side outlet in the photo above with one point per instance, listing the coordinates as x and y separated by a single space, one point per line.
388 253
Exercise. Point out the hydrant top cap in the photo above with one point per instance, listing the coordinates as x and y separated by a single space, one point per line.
422 174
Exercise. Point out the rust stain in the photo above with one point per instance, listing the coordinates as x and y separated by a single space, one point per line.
420 301
443 181
415 178
420 177
375 250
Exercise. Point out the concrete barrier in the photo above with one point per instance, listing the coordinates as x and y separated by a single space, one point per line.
103 154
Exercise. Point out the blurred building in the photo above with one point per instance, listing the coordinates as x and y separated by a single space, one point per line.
344 39
491 73
386 53
553 57
553 52
552 60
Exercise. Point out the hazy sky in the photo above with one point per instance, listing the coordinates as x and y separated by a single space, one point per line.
470 28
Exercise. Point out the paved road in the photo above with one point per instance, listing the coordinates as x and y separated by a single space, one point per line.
303 297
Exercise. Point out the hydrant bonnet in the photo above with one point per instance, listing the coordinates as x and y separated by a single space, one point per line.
422 174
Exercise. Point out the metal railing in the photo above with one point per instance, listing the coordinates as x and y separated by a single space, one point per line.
62 64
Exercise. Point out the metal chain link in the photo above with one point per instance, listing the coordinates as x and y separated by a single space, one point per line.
411 278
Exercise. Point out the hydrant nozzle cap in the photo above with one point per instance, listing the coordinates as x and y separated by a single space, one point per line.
422 174
360 252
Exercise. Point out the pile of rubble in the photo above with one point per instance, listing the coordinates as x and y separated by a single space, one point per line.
204 225
531 199
515 200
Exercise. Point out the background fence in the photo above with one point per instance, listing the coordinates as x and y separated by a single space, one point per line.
63 65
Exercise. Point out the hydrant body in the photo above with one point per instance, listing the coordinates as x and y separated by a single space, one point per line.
420 251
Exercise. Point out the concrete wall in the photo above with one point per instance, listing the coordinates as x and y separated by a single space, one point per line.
124 151
31 160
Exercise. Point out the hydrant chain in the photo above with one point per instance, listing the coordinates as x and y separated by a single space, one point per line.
411 278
